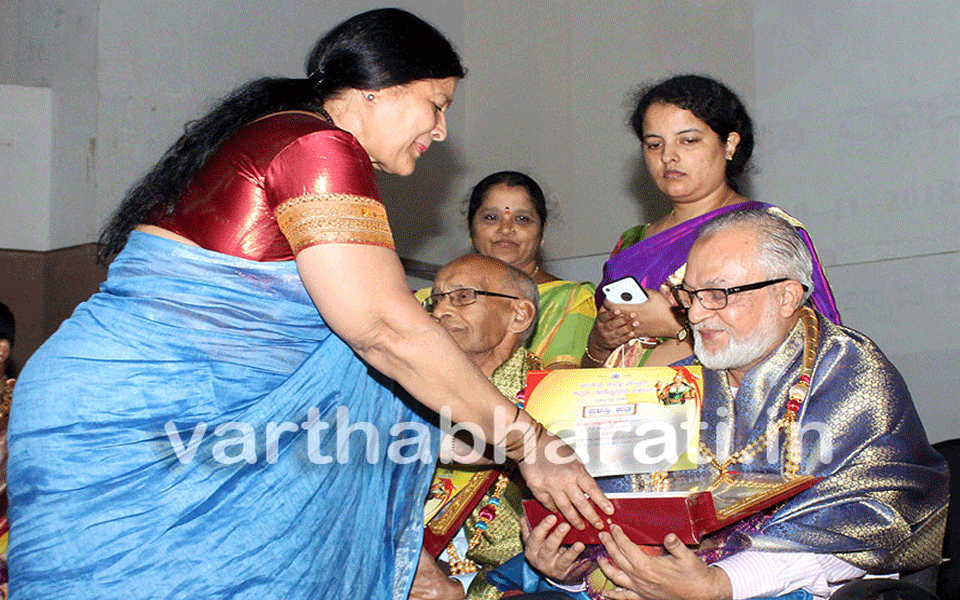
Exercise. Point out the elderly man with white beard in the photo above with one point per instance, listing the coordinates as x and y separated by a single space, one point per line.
779 375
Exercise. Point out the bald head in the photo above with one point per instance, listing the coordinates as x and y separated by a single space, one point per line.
492 327
497 271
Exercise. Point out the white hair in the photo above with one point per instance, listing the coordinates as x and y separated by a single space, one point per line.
783 252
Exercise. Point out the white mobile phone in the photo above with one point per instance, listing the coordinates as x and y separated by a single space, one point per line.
625 290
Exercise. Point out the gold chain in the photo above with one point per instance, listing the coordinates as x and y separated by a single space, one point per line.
652 482
797 394
459 566
6 393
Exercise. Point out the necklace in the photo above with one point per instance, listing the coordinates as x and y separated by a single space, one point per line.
659 481
727 197
6 395
510 378
323 113
795 397
459 566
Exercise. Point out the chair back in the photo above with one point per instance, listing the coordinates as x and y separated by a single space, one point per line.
948 581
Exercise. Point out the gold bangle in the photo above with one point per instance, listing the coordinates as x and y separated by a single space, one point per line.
592 357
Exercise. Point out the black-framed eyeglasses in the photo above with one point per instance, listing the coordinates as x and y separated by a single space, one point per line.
717 298
460 297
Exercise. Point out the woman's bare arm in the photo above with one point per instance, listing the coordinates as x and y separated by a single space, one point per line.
362 293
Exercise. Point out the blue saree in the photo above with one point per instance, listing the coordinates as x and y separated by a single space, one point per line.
178 438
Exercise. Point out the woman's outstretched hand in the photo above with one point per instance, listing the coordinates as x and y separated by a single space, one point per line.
559 481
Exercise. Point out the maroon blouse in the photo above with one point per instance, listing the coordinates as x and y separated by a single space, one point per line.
230 205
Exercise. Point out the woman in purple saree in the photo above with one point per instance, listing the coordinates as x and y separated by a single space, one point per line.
697 138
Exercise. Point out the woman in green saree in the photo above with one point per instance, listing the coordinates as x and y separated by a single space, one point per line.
507 215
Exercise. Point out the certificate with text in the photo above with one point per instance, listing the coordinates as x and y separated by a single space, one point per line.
622 421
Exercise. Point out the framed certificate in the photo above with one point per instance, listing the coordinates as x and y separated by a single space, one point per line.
622 421
689 507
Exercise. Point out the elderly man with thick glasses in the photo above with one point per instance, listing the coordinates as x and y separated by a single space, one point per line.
490 310
486 306
786 392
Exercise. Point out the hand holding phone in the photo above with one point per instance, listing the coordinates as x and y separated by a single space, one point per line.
625 290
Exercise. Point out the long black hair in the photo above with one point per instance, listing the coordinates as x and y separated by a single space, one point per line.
711 102
370 51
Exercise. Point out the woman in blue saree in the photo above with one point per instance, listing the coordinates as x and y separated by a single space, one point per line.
223 419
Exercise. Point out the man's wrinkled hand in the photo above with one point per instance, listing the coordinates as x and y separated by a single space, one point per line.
543 548
679 575
430 583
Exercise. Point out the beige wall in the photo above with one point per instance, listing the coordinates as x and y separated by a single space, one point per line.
550 92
